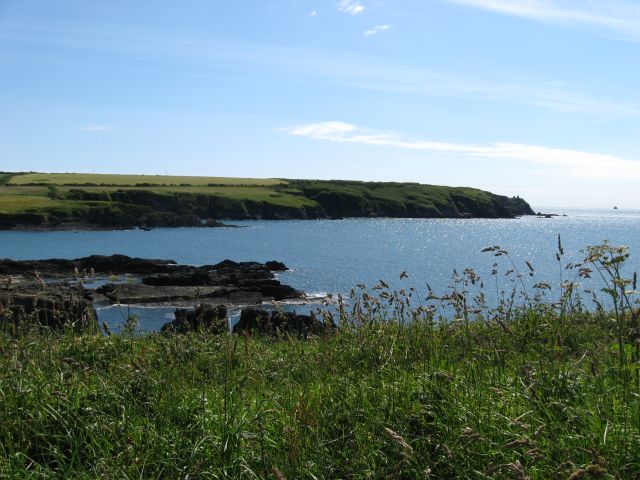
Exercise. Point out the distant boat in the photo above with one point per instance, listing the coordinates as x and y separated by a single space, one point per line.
615 208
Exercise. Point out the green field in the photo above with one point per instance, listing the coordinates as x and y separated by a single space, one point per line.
234 192
132 180
25 203
31 192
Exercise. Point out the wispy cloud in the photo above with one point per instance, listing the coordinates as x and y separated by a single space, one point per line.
352 7
376 29
313 13
95 127
202 57
557 161
555 96
617 17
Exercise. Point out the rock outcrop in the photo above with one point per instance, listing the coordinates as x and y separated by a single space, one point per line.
53 307
206 318
273 323
276 266
62 301
94 264
226 282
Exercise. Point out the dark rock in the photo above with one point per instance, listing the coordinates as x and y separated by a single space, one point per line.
299 324
211 223
253 319
53 307
273 323
123 264
275 266
212 319
138 293
112 264
276 290
245 269
240 283
242 277
189 278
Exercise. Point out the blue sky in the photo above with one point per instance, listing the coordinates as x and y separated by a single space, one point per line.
537 98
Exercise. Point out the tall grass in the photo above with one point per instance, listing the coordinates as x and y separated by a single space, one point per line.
448 386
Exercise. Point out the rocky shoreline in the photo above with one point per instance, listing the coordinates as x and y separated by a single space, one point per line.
59 294
8 222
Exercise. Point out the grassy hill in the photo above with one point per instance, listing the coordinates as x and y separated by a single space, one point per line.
50 200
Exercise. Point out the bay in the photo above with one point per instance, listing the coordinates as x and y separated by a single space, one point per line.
333 256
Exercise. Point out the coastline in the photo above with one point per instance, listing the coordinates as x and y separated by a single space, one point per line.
90 227
31 201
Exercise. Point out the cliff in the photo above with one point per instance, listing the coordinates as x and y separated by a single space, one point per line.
61 203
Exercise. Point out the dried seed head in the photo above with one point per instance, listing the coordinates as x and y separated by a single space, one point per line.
535 453
521 442
278 474
407 450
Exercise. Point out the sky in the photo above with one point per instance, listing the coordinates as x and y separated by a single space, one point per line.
536 98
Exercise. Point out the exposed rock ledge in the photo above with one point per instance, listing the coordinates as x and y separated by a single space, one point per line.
51 292
214 319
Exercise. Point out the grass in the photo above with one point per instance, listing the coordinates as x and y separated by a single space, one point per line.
240 193
28 203
132 180
12 190
542 389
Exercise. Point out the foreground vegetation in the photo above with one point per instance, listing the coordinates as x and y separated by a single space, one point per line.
47 200
542 390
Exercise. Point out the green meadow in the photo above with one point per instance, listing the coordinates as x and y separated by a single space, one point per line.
132 180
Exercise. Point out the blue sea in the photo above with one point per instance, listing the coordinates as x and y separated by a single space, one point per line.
333 256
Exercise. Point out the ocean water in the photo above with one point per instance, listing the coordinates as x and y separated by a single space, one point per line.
333 256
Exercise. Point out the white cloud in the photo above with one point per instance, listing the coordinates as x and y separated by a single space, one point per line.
376 29
95 127
555 161
352 7
618 17
313 13
321 131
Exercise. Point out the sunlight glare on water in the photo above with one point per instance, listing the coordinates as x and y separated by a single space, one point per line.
335 255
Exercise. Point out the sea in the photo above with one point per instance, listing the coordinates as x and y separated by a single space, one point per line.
335 256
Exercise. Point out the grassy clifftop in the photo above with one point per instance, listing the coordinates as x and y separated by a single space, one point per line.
47 200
